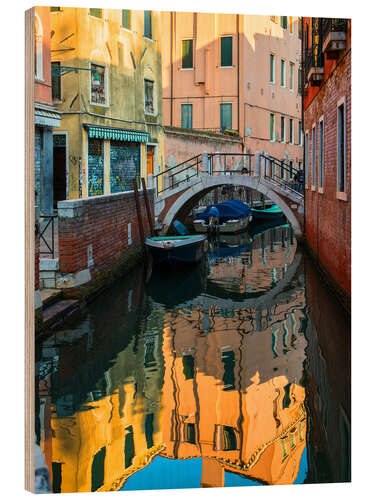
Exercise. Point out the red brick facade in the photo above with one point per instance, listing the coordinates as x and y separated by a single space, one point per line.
102 223
327 212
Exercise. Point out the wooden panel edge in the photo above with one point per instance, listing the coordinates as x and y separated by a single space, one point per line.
29 355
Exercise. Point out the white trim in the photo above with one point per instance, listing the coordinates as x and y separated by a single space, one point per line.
226 36
313 163
321 146
282 139
281 73
340 102
66 133
273 138
291 135
291 80
154 100
192 50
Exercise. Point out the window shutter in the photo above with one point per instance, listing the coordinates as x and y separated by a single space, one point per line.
226 51
187 53
126 19
147 24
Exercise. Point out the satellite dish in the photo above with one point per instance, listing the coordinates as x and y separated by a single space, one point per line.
248 132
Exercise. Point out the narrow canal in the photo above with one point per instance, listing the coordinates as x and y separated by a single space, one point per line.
235 372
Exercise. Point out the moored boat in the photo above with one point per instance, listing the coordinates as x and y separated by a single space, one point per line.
231 216
176 249
273 212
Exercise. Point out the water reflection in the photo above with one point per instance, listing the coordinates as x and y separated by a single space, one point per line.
203 376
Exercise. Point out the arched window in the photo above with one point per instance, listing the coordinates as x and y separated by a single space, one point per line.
38 49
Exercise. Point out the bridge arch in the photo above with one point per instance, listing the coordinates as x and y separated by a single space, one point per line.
209 182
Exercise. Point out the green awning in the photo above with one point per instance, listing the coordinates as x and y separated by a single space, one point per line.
116 134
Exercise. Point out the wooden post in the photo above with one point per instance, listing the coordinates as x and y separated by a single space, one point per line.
139 215
148 210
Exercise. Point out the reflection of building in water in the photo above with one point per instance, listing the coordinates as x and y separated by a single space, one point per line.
259 268
233 397
116 431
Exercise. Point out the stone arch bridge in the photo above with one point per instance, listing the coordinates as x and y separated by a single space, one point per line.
180 188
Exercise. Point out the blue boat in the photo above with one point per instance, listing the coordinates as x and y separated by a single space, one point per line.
273 212
176 249
230 216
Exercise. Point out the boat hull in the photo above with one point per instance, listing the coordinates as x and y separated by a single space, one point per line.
235 226
176 253
266 214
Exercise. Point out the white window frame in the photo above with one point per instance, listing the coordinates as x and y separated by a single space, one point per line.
190 69
321 157
341 195
226 36
283 73
155 113
272 82
291 135
313 157
106 104
225 102
307 163
190 104
272 139
292 77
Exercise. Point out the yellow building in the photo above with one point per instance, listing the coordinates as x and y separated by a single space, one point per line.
106 81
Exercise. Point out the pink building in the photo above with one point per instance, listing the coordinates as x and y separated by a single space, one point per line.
237 74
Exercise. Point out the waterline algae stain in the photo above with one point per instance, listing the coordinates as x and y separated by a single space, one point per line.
219 376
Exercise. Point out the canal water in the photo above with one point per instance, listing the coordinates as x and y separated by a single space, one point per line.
235 372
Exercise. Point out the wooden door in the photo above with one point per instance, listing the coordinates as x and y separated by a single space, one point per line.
150 159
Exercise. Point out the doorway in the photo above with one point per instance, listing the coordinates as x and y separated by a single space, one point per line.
59 168
150 159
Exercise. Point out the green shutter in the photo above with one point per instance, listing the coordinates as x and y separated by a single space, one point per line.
186 115
96 12
126 19
226 51
147 24
284 22
187 53
226 116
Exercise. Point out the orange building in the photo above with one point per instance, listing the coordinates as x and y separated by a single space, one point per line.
237 74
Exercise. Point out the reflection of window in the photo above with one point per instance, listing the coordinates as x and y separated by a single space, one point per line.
98 94
55 9
147 32
286 399
227 359
129 446
149 97
56 81
292 439
284 22
187 53
96 13
186 115
188 364
149 429
226 51
149 351
225 438
56 477
283 446
189 433
126 19
226 116
97 469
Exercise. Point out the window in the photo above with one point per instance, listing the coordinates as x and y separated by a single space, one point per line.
147 32
186 115
188 364
226 116
97 469
149 97
225 438
56 81
341 156
283 129
149 429
187 54
282 73
300 133
291 169
306 159
321 153
126 19
272 68
129 450
55 9
291 131
189 433
299 80
226 51
228 361
96 12
313 157
291 76
98 91
272 127
284 22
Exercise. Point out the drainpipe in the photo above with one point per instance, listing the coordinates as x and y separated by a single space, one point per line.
171 70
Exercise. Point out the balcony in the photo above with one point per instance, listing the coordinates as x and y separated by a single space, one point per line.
334 36
314 66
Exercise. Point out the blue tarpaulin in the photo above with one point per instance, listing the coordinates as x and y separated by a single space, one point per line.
231 209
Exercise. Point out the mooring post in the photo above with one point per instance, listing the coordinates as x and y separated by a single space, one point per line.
139 216
148 210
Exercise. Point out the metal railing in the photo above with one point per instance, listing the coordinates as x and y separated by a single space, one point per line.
48 237
313 58
172 177
278 172
333 24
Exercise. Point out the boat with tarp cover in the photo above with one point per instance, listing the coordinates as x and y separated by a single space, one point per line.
273 212
230 216
176 249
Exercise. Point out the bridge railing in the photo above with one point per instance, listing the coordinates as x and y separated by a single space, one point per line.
279 172
230 163
174 176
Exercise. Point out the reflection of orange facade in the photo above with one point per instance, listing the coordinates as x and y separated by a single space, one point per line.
233 401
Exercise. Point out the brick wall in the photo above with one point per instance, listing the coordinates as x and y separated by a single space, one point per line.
94 233
327 218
